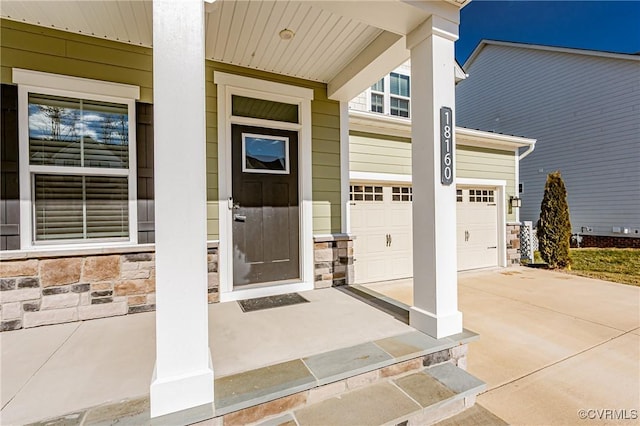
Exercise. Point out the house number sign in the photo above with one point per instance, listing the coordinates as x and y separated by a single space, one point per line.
446 146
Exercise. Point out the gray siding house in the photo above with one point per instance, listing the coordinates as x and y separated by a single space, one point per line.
583 107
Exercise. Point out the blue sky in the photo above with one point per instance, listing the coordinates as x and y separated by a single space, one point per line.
612 26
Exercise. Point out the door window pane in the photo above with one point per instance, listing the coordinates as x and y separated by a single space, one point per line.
243 106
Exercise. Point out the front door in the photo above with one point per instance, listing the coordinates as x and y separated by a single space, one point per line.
265 210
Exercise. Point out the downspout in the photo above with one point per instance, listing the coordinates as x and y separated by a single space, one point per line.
528 151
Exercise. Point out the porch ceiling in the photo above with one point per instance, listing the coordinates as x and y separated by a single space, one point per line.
330 36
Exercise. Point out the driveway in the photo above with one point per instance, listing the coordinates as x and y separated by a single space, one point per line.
551 344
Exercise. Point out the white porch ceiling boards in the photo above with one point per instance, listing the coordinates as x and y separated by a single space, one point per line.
347 44
245 33
125 21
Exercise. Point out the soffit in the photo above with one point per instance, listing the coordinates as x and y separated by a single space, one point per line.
244 33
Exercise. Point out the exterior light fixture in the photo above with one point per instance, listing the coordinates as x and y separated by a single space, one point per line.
286 34
515 202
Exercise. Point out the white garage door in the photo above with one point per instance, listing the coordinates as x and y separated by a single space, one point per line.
477 234
381 222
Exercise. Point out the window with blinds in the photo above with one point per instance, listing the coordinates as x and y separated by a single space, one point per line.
79 164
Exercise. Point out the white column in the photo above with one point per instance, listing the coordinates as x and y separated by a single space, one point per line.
183 376
435 284
344 168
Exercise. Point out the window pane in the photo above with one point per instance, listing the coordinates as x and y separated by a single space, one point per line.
54 134
61 204
75 132
268 110
377 103
58 207
399 107
105 131
378 86
400 84
107 207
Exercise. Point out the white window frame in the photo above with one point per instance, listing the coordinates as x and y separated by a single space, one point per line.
227 86
387 95
284 139
80 88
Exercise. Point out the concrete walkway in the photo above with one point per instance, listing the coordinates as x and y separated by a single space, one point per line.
551 344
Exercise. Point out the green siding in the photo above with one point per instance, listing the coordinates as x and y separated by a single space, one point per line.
380 154
484 163
48 50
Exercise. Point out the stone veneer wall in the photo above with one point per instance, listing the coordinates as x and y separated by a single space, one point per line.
513 245
52 290
333 260
44 289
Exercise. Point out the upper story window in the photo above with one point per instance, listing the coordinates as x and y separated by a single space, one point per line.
391 95
78 165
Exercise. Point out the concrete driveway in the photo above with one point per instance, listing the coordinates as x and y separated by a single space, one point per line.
551 344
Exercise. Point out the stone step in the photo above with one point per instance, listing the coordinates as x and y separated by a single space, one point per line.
417 398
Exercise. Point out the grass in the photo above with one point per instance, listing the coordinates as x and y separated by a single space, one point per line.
617 265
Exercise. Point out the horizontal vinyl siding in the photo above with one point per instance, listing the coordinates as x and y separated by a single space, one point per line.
325 132
378 154
48 50
483 163
584 112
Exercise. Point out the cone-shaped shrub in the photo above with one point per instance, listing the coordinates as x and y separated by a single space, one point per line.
554 226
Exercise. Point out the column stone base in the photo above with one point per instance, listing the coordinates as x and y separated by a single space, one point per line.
435 326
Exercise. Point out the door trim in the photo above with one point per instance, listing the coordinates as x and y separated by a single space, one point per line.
230 84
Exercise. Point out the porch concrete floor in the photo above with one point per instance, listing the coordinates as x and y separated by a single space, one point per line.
551 343
55 370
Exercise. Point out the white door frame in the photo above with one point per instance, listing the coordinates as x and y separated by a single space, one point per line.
231 84
500 187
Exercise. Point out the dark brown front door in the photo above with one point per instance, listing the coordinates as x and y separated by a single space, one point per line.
265 209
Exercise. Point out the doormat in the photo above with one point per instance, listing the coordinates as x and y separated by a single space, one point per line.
260 303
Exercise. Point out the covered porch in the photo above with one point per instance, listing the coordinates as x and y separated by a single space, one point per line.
205 56
269 363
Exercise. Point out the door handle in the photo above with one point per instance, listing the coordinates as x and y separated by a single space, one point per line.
466 236
239 217
390 240
387 242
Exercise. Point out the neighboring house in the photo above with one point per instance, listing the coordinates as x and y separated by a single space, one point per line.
486 166
233 182
584 109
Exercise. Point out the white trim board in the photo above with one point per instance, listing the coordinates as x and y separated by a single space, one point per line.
228 85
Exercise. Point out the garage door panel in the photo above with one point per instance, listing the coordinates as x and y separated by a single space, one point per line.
477 230
376 260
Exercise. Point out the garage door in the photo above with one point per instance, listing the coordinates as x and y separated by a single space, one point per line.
381 222
477 233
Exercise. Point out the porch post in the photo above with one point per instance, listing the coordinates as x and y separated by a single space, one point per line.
183 375
435 284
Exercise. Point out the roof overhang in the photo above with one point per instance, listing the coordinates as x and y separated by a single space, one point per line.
348 45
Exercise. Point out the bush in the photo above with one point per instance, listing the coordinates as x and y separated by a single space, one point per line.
554 226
